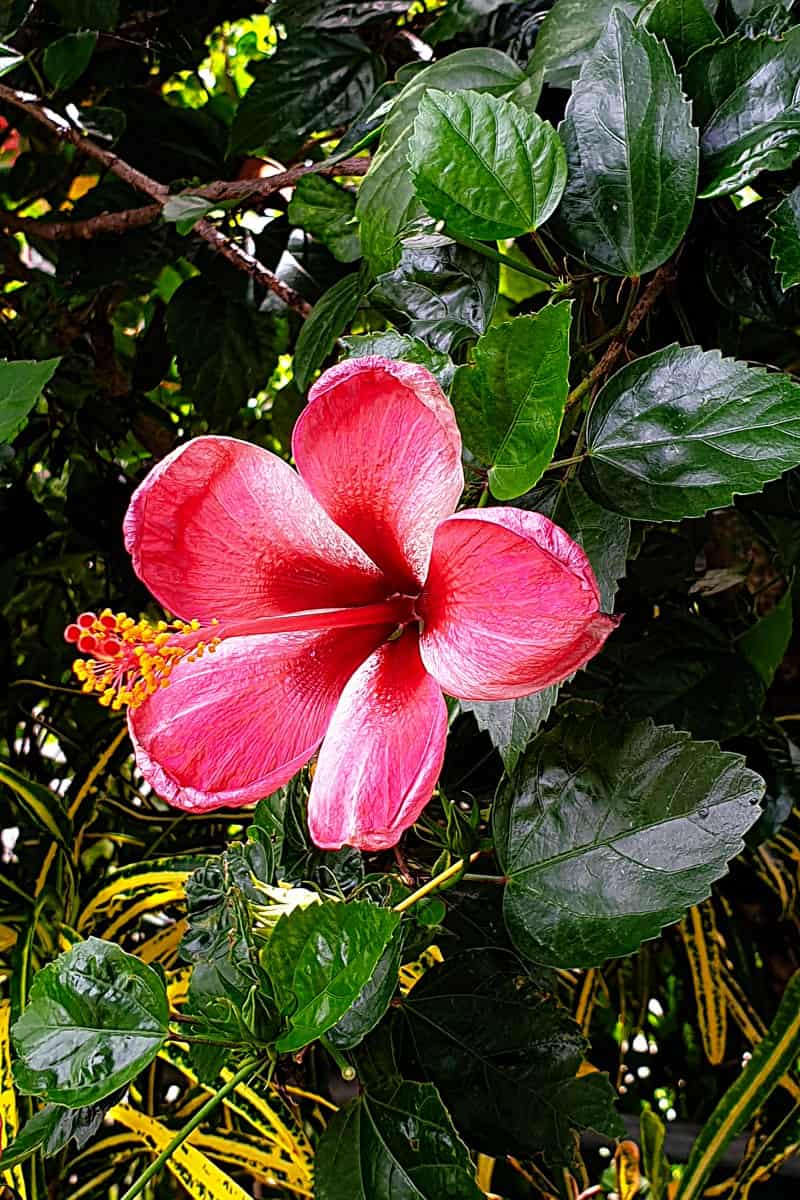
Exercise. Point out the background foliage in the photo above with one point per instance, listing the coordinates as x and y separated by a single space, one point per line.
584 218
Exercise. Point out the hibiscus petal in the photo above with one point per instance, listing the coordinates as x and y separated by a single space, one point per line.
379 447
510 605
382 754
233 726
225 529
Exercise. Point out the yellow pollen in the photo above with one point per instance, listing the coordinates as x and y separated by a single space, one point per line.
129 660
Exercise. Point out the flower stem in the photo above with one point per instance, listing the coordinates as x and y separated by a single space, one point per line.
247 1068
511 263
426 889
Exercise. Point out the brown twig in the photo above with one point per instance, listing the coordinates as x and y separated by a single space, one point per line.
34 108
664 276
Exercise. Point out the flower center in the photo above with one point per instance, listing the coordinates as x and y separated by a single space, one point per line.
129 660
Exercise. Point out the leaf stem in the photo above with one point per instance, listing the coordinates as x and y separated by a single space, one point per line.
544 251
247 1068
474 877
557 463
484 496
426 889
504 260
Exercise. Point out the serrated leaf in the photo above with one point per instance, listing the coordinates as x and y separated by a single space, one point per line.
443 293
765 643
319 959
510 405
744 100
482 1032
327 211
391 344
386 200
185 211
484 166
512 723
785 239
96 1017
334 14
372 1001
51 1129
568 36
684 430
65 61
332 314
21 385
632 155
226 349
685 25
313 81
395 1144
603 535
609 832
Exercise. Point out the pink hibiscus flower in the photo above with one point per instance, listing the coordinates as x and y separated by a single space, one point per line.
339 601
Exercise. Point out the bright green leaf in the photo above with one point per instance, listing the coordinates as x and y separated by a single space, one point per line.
510 405
685 25
386 200
505 1058
65 61
653 815
373 1000
395 1144
484 166
681 431
785 239
327 211
744 100
96 1017
330 316
319 960
631 155
21 385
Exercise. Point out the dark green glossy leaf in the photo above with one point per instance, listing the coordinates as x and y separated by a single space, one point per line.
52 1128
458 16
631 155
313 81
605 536
743 92
330 316
96 1017
319 960
643 808
87 14
484 166
512 723
741 273
764 643
510 405
334 14
785 238
327 211
681 431
402 346
505 1058
373 1000
569 34
685 25
65 61
386 200
445 292
21 385
394 1144
226 349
